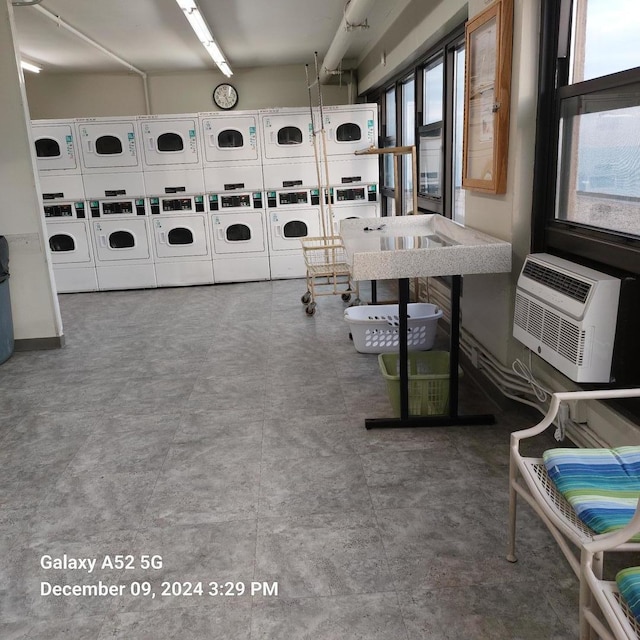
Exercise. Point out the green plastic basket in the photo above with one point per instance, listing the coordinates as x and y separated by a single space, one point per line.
428 381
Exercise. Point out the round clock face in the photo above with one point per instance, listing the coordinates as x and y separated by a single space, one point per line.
225 96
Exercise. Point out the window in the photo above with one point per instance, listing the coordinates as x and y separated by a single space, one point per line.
457 192
430 140
408 138
389 137
588 170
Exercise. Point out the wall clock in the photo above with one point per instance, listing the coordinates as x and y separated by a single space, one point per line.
225 96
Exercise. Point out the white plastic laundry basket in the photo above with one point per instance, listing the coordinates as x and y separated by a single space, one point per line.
374 328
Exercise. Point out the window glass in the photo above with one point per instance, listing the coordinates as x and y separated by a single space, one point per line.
295 229
430 161
408 138
605 37
170 142
348 132
390 139
180 235
108 146
289 135
230 139
61 242
599 163
458 195
432 100
238 233
47 148
121 240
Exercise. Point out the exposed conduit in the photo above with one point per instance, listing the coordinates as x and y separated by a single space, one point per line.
355 16
61 23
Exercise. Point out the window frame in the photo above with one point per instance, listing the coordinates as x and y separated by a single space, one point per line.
598 247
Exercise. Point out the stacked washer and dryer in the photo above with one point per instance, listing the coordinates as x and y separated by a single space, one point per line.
234 187
186 199
172 163
64 206
114 187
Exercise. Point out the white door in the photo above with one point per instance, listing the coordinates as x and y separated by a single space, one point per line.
177 236
121 240
238 232
55 147
287 135
107 145
171 141
288 227
230 139
346 131
69 243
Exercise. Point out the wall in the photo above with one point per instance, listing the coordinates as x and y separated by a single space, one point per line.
117 94
34 304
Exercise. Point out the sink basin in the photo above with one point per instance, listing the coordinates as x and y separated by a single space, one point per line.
420 245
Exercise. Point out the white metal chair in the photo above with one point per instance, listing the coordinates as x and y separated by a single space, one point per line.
593 590
528 479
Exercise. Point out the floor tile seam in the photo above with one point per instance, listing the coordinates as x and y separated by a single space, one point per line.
255 546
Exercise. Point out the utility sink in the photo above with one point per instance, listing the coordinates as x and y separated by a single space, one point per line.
419 245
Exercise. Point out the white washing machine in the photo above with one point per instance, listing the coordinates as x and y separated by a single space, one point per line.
353 201
181 246
110 158
120 230
57 160
350 128
287 134
293 215
69 238
239 235
229 140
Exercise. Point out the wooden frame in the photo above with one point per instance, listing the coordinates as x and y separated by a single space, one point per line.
488 42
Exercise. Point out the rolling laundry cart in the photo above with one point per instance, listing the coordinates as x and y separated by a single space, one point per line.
324 256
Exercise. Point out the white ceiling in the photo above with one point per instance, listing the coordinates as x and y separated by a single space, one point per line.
155 37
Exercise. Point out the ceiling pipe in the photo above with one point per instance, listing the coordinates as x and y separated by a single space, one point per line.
25 3
71 29
355 17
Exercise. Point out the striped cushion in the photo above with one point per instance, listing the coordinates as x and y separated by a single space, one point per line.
602 485
629 585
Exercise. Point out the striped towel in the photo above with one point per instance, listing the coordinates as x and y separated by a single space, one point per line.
602 485
628 581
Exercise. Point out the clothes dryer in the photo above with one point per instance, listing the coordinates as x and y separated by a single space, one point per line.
110 159
120 231
350 128
287 134
230 138
239 235
57 159
74 267
181 245
170 142
293 215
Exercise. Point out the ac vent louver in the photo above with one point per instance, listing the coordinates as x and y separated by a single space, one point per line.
569 286
566 313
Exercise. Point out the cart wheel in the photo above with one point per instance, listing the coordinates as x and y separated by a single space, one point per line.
306 298
350 336
346 297
311 309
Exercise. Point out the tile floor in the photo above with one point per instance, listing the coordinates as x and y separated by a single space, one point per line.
222 429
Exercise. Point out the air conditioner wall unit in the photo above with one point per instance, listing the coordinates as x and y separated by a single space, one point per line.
567 313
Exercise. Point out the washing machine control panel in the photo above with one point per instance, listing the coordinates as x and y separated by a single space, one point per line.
228 201
287 198
366 193
133 207
188 204
65 210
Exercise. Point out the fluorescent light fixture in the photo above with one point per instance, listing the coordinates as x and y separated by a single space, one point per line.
29 66
201 29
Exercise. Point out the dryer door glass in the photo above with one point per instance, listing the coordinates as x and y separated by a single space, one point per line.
348 132
180 235
108 146
289 135
238 233
170 142
62 242
295 229
47 148
121 240
230 139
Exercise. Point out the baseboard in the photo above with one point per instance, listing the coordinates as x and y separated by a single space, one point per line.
39 344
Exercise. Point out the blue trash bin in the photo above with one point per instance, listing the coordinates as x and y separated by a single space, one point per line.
6 319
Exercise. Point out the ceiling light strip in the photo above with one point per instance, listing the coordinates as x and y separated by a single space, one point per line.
201 29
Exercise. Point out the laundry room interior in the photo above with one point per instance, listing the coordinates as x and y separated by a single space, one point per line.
284 290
